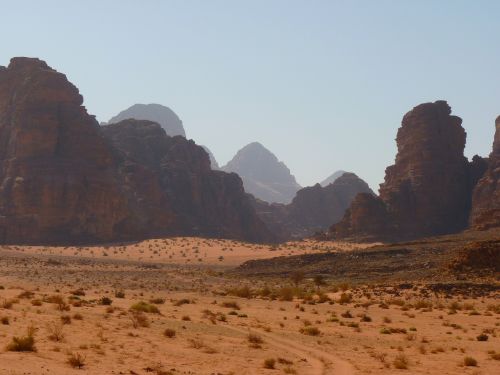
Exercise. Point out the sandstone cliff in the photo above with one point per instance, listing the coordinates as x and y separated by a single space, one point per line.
428 189
57 179
64 179
314 208
486 198
178 191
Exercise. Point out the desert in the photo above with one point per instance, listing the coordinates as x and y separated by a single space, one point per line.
249 187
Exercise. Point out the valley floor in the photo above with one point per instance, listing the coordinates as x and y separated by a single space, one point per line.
145 309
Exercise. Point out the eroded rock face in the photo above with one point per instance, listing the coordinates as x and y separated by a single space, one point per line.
428 189
178 191
314 208
64 179
57 179
486 198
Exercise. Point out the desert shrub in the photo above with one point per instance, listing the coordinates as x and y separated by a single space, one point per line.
169 332
400 362
56 331
7 304
186 318
345 298
66 319
242 292
77 316
76 360
26 295
36 302
145 307
23 343
106 301
269 363
231 305
469 361
183 301
310 331
119 294
482 337
157 301
78 292
5 320
59 301
286 293
139 319
346 314
255 340
366 318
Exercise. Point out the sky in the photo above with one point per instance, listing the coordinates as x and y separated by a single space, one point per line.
322 84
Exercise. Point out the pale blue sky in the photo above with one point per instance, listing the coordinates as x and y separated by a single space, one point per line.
323 84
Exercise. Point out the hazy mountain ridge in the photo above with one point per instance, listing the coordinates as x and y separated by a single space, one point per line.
263 175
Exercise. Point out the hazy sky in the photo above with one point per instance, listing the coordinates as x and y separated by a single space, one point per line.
322 84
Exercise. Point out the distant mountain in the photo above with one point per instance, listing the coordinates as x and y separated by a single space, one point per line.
213 163
158 113
314 208
332 178
263 175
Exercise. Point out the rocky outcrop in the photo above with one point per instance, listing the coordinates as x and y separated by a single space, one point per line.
176 189
64 179
213 162
486 197
158 113
263 175
331 179
428 189
57 178
314 208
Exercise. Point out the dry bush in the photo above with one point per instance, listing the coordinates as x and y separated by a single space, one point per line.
269 363
55 331
169 332
469 361
157 301
77 316
255 340
183 301
23 343
231 305
76 360
139 319
310 331
145 307
400 362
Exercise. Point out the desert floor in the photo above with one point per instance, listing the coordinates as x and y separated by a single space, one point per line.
154 308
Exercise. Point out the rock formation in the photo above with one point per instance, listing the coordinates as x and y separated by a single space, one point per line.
158 113
179 193
428 189
57 179
263 175
213 162
486 197
314 208
64 179
331 179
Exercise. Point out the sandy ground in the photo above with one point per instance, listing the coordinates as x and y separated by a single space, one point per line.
360 330
190 250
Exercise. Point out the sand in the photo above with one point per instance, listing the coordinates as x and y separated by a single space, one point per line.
374 331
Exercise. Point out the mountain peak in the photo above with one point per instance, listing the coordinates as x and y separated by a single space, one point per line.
263 174
161 114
